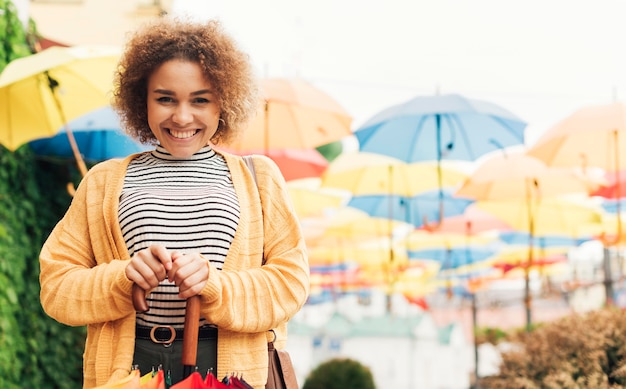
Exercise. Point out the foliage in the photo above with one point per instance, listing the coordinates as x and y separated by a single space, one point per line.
13 38
35 350
340 373
578 351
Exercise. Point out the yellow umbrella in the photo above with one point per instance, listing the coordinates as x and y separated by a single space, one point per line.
364 173
373 253
294 115
310 199
551 216
41 92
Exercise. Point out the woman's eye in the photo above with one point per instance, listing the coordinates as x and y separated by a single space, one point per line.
165 99
201 100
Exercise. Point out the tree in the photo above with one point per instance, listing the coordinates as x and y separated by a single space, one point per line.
577 351
13 38
340 373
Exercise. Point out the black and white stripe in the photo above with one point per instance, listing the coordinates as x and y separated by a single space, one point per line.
186 205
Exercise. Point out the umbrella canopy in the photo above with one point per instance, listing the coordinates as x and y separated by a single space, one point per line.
472 221
310 199
364 173
40 92
551 216
98 135
593 136
414 209
295 115
428 128
614 187
293 164
517 175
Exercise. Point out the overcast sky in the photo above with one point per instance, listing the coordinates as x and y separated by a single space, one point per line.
541 59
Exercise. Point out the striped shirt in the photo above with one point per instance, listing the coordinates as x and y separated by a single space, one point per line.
186 205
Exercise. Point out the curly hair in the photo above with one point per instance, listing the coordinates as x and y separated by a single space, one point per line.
223 63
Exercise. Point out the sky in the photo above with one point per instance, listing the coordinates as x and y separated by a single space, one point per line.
540 59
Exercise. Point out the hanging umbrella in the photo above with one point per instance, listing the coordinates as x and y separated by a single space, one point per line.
551 216
41 92
612 188
295 115
429 128
310 199
592 136
515 175
520 178
434 128
472 221
293 163
364 173
414 209
98 135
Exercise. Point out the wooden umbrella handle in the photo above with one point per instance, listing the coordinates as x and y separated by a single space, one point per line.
190 340
139 299
191 329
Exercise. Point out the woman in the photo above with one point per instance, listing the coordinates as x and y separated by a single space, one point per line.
179 221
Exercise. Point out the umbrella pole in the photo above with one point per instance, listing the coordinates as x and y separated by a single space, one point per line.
468 233
433 226
54 84
531 237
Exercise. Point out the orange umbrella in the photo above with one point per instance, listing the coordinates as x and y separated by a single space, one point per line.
592 136
515 175
295 115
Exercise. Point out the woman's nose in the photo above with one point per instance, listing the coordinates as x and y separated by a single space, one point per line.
182 114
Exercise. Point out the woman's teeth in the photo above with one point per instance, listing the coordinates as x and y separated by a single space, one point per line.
182 134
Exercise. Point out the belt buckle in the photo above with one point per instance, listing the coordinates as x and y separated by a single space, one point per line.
165 343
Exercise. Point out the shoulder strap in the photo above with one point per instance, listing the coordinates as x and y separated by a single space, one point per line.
250 163
248 160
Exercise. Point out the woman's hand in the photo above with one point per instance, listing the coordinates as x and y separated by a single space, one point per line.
149 266
190 272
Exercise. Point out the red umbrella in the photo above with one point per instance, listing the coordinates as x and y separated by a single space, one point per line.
614 189
293 163
472 221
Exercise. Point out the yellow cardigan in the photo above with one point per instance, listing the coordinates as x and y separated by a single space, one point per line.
83 282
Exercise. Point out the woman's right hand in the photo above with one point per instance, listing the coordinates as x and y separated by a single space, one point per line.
149 266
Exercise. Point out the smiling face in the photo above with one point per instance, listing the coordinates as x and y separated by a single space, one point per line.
183 108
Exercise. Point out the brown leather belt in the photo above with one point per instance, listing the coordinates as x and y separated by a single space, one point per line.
169 334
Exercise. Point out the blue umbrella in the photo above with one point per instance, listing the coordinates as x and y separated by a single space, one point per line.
429 128
452 258
415 209
543 241
433 128
98 136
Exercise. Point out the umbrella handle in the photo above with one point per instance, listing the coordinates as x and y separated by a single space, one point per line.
139 299
190 341
191 328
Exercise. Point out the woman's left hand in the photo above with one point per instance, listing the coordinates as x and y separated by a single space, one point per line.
190 272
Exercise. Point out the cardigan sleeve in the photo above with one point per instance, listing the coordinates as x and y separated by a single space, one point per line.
248 297
82 276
